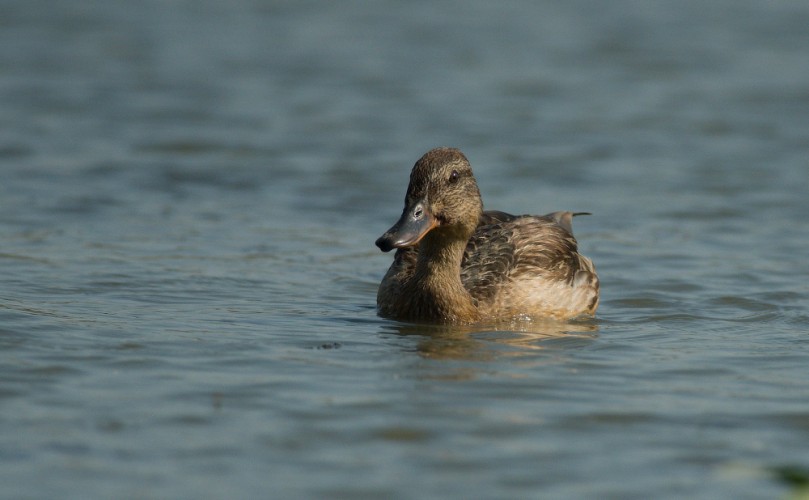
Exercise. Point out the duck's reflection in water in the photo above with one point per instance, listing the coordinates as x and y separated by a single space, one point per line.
494 340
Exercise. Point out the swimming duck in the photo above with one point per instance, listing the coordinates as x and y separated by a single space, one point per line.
456 263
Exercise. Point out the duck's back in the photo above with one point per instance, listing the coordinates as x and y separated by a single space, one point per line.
528 266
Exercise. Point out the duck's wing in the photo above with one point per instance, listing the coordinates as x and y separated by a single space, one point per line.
520 248
489 257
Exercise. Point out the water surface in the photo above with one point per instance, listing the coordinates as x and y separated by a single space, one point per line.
190 194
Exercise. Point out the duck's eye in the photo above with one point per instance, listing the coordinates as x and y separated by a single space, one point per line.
453 177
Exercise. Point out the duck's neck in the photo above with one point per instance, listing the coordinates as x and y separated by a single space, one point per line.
441 294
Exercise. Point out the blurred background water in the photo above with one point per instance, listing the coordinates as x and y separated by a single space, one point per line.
189 198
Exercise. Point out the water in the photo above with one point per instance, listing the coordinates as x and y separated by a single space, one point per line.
190 194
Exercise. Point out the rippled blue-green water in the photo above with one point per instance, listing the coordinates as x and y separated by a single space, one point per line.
189 195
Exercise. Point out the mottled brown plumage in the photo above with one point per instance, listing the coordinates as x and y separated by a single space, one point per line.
456 263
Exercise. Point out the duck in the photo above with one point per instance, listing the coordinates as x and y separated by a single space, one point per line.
458 264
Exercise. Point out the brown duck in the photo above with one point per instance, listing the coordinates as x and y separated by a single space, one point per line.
456 263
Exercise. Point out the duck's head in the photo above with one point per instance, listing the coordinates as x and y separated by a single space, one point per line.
442 197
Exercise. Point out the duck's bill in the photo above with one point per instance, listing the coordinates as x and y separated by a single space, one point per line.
409 230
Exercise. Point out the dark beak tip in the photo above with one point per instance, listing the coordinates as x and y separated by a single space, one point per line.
384 244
